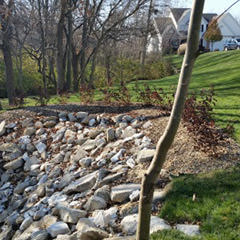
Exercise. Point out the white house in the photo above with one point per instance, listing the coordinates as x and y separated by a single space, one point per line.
172 28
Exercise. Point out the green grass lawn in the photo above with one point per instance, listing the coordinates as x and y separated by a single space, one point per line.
218 69
216 208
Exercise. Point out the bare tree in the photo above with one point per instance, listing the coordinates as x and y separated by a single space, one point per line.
167 138
6 31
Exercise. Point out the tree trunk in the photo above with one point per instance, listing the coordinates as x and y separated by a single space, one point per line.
75 67
145 40
6 49
69 49
60 47
84 45
93 67
167 138
43 50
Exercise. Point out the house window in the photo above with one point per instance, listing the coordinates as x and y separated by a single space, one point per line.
202 28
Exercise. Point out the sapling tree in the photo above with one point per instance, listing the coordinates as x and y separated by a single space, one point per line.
164 143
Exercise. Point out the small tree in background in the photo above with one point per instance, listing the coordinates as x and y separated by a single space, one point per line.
213 33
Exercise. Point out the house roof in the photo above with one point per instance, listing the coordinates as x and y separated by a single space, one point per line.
178 12
162 23
209 16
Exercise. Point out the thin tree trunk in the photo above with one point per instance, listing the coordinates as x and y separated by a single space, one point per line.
93 67
60 47
167 138
75 67
6 49
69 49
145 40
43 50
84 45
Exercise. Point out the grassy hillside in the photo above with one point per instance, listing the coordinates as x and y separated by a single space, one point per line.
220 69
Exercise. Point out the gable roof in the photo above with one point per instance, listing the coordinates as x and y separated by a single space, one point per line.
178 12
162 23
209 16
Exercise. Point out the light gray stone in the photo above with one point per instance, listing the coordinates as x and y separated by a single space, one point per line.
103 192
128 132
70 215
87 231
81 115
82 184
85 162
29 131
26 223
118 155
41 147
2 128
190 230
95 203
15 164
145 155
40 235
122 192
129 224
79 154
58 228
9 147
110 134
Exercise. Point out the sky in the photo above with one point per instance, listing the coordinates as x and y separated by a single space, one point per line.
218 6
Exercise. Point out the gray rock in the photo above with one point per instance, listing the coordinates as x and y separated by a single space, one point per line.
19 189
190 230
128 132
82 184
104 218
80 153
92 122
111 178
88 232
9 147
71 117
58 228
31 162
18 163
129 224
26 223
38 124
70 215
65 180
41 147
40 235
2 128
85 162
145 155
118 155
29 131
95 203
103 192
7 234
50 124
122 192
64 237
81 115
111 134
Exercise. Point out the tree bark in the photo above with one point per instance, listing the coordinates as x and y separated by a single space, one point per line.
84 44
60 49
75 67
145 40
167 138
43 50
69 48
6 49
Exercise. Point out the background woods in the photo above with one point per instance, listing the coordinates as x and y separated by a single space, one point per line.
53 46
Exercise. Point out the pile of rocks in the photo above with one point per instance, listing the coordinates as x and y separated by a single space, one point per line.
68 177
